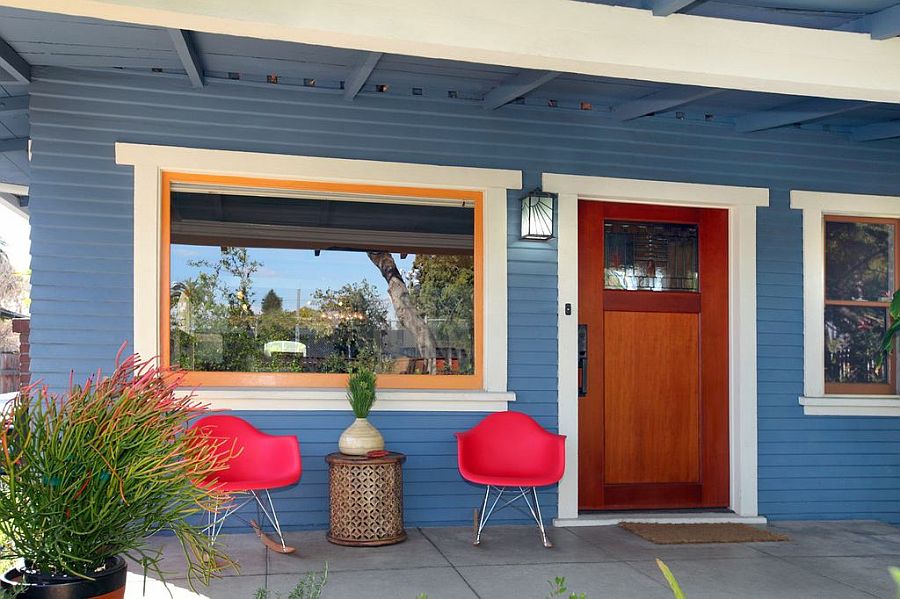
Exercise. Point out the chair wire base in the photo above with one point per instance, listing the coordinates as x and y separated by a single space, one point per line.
215 521
519 493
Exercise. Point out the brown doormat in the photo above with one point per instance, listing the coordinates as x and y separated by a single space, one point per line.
676 534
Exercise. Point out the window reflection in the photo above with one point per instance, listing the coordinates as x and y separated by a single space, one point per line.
265 284
852 343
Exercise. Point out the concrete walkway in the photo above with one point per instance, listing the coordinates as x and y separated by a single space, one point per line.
823 560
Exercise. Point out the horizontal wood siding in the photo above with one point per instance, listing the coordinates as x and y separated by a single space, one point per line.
810 467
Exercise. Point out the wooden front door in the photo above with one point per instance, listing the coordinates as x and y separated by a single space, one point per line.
653 357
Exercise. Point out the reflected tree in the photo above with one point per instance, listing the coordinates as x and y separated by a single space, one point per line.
442 288
406 310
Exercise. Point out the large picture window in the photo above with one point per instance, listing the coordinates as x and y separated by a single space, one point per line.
860 278
267 283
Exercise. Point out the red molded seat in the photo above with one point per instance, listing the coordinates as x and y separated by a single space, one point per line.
263 461
510 449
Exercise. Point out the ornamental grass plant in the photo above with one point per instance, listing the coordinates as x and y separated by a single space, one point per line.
361 391
90 473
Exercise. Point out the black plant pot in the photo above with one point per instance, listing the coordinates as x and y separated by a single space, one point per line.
108 584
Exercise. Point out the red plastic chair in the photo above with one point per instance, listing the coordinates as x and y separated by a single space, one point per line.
262 462
509 451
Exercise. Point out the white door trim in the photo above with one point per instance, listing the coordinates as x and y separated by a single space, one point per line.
741 203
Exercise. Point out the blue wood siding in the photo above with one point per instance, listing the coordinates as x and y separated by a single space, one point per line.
809 467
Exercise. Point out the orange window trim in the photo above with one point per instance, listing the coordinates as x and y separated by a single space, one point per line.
312 379
864 388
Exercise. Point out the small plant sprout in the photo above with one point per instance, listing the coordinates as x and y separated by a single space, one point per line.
670 578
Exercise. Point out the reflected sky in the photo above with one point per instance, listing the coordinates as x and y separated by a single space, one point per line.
287 271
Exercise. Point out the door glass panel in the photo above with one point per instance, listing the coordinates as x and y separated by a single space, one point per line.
650 256
859 261
852 341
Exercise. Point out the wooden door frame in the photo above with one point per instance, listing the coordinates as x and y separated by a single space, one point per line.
598 309
741 203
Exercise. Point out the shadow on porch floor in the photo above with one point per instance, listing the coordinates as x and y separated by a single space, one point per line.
823 560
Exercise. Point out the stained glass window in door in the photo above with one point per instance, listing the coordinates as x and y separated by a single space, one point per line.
650 256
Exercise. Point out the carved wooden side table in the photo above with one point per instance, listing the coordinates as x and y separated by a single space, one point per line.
366 499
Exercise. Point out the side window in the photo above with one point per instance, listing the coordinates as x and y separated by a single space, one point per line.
860 270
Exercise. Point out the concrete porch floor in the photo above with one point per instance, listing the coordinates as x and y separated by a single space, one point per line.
823 560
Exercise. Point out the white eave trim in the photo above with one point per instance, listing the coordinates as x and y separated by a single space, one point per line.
575 37
14 189
851 405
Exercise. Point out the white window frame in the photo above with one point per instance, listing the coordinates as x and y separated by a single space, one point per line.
741 203
150 161
816 205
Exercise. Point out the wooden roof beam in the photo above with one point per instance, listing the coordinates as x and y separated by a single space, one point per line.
13 105
13 145
876 131
360 75
12 63
183 41
517 86
794 113
668 98
882 25
664 8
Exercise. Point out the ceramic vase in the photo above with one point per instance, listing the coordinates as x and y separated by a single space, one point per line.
360 438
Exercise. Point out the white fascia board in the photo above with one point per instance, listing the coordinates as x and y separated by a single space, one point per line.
14 189
574 37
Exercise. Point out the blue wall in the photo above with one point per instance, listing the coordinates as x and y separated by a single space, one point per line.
810 467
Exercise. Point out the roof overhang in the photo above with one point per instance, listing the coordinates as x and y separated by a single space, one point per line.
15 197
549 35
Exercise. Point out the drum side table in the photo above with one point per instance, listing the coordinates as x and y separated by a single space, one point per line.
366 499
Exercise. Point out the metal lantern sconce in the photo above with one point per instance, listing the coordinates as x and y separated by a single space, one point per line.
537 215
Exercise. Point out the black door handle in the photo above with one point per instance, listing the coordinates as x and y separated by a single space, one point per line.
582 360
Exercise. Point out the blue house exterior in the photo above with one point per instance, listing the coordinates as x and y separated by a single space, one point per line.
81 205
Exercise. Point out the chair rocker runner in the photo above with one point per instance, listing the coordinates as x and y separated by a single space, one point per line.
510 453
263 462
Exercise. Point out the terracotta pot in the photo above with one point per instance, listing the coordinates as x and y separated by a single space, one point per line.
108 584
360 438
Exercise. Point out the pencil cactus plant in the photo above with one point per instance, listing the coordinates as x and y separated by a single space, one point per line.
92 472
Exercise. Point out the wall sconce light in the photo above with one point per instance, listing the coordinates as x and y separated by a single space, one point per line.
537 215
